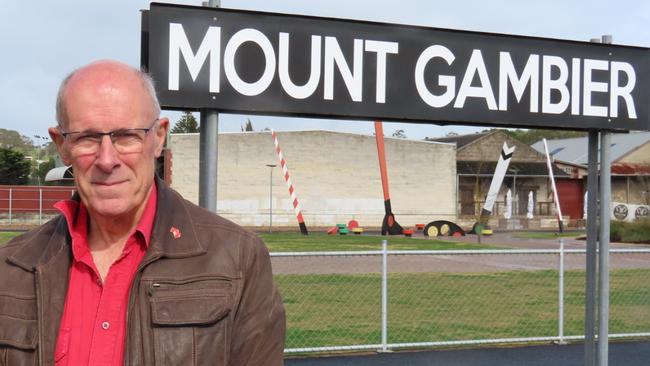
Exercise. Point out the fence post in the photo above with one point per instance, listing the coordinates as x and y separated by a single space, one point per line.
560 318
10 203
40 206
384 296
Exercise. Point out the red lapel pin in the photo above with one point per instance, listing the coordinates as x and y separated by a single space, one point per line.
175 232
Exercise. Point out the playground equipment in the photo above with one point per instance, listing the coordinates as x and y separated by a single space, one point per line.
287 179
495 186
389 225
443 228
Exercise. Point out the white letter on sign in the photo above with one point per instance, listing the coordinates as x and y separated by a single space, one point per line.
353 80
178 44
381 48
530 74
476 65
304 91
622 91
593 86
558 84
239 38
449 82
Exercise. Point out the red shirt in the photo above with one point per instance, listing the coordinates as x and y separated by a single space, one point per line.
93 324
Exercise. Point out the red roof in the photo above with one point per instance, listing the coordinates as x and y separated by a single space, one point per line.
625 168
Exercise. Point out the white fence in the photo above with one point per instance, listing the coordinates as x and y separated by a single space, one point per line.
389 299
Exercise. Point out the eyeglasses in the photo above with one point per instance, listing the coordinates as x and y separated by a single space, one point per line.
124 140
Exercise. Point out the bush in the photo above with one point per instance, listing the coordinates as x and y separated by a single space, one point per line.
630 232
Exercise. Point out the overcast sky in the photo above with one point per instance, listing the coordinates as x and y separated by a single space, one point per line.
43 41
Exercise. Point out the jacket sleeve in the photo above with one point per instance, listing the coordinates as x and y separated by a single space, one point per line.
259 324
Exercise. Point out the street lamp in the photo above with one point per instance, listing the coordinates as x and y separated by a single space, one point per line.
515 198
40 140
271 195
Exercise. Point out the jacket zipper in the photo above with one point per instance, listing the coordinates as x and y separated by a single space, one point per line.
167 285
132 295
39 306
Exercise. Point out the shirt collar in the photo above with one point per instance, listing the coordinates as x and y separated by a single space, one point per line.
76 217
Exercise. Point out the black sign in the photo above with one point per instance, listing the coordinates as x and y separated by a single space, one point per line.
242 61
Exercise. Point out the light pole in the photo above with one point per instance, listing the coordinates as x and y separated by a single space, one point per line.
40 141
515 198
271 195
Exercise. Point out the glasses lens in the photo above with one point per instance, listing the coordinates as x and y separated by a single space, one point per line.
84 143
128 141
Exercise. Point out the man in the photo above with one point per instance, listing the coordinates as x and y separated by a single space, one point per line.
131 273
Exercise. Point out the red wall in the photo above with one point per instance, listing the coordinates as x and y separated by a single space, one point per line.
26 198
571 197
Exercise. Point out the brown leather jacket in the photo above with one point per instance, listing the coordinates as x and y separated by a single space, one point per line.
204 298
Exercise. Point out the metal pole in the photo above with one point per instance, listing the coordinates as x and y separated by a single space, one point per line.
384 296
10 204
40 206
560 325
271 200
603 250
591 259
515 201
271 196
208 151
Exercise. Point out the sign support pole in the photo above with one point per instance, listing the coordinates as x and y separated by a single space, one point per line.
603 247
208 151
591 258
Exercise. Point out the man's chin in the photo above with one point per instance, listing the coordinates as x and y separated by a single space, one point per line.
109 208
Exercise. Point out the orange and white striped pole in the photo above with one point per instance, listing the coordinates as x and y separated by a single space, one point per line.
287 179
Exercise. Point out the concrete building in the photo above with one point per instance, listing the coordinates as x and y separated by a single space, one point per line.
477 156
336 177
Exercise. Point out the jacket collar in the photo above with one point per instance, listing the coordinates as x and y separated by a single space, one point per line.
173 235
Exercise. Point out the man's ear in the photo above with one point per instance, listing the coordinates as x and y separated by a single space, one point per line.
57 137
161 134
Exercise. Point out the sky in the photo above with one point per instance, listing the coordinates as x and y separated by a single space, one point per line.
43 41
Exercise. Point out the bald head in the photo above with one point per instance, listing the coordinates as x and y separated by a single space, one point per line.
105 76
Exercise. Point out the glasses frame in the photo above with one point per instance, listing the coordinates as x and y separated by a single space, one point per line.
110 134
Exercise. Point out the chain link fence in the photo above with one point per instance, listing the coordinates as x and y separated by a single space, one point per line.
334 300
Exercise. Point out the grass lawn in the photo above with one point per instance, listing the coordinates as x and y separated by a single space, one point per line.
315 242
290 242
337 310
548 234
5 236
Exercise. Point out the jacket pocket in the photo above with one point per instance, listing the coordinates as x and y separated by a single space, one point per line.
18 341
190 321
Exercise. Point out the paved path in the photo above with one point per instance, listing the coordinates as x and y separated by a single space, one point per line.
620 354
474 263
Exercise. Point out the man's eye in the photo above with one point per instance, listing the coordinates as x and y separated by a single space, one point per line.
87 138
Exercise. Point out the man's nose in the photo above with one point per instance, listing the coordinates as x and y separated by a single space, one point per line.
108 157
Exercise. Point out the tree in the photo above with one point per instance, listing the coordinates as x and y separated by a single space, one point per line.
43 168
10 139
399 134
531 136
248 127
14 168
186 124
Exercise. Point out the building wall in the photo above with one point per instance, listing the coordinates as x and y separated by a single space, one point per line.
631 189
336 177
640 155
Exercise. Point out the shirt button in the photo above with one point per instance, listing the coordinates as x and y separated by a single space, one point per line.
105 325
